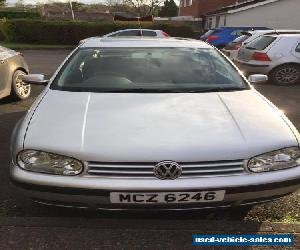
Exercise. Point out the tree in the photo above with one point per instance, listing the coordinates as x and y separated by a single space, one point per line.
2 2
144 7
20 3
77 5
170 9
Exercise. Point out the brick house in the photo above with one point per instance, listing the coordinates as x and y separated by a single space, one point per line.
198 8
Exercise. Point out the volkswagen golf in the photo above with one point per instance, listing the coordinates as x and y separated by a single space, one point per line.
135 123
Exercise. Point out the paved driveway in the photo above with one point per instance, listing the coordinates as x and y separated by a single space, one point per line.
12 203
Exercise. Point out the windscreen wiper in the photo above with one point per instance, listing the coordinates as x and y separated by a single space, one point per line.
141 91
215 89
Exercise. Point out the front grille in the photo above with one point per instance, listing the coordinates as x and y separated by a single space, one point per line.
145 170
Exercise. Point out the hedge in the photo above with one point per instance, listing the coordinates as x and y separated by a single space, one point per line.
19 14
2 37
70 33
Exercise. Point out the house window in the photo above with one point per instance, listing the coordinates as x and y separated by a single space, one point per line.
218 21
210 21
189 2
182 3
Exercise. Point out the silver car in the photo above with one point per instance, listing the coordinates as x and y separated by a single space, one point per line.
152 123
275 55
138 32
12 67
134 33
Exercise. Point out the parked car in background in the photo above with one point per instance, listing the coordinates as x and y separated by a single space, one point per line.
231 49
220 37
275 55
170 124
135 33
138 32
12 67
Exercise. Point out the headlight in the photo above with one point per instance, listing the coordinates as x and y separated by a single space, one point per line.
43 162
276 160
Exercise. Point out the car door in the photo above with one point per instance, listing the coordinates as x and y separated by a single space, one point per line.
5 79
3 69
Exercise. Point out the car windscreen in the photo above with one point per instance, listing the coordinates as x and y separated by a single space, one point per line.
148 70
261 43
241 39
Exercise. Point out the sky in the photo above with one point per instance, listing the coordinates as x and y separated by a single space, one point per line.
11 2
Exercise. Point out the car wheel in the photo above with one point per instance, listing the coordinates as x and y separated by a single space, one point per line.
286 75
20 90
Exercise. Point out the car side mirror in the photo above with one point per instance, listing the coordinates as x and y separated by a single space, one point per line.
258 78
35 79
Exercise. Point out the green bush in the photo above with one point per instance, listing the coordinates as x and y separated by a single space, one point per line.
2 37
19 14
70 33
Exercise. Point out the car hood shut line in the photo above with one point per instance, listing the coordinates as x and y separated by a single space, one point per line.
85 121
232 116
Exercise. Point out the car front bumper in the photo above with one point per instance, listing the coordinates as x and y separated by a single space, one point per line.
94 192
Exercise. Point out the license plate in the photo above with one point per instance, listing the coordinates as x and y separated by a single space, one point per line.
169 197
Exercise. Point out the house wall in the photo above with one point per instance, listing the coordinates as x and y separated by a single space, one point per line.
284 14
201 7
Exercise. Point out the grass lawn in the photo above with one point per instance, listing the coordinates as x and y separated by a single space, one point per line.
34 46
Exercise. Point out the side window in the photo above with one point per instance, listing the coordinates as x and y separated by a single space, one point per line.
149 33
298 48
128 33
237 33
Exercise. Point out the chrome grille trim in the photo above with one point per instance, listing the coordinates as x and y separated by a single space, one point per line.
145 170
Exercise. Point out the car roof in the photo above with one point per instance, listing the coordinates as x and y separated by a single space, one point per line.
270 32
284 35
135 29
258 31
142 42
245 27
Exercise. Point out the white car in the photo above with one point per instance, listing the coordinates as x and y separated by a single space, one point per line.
153 124
231 50
278 56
